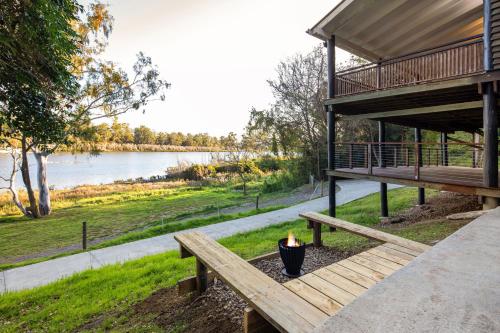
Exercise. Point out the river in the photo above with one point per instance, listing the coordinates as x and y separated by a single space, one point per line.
66 170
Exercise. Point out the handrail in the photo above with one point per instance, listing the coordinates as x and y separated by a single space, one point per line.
457 59
416 53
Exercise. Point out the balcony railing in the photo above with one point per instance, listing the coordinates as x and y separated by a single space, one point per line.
450 163
461 58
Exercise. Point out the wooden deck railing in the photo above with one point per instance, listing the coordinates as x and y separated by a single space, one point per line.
457 59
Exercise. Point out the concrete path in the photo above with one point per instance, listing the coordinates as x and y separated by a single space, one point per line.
49 271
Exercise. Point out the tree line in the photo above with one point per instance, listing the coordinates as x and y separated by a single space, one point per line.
122 133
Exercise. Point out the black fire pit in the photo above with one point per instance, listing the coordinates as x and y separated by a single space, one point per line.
292 256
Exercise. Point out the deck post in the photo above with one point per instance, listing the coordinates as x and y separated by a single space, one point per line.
490 123
444 148
201 277
490 128
317 234
418 164
330 48
384 210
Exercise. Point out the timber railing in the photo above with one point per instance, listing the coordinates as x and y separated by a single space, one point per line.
457 59
447 163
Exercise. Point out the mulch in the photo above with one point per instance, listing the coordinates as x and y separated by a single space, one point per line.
436 207
219 309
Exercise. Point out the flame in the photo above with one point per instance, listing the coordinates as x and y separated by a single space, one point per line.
291 240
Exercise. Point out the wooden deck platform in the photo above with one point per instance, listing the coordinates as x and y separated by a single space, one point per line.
332 287
455 179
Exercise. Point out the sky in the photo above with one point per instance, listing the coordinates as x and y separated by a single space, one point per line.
217 54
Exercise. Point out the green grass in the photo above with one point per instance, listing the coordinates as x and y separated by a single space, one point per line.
153 231
110 215
107 294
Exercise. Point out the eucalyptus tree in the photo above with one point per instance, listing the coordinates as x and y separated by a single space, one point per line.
105 90
37 43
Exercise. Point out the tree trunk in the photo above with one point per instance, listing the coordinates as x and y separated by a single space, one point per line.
12 184
43 186
25 172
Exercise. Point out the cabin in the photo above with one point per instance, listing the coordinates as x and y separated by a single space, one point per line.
432 65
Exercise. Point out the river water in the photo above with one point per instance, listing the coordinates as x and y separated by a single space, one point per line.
67 170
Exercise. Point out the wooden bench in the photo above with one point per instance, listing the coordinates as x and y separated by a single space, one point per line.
302 304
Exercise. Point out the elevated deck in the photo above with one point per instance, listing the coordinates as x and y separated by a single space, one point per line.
454 179
456 167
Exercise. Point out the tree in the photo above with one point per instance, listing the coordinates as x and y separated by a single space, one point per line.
144 135
296 121
56 110
106 90
37 43
239 155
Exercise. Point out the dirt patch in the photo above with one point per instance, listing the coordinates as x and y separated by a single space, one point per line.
439 206
220 309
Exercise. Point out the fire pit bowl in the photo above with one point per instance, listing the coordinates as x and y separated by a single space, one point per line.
292 256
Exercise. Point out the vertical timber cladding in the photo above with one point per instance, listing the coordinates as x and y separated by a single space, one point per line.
495 33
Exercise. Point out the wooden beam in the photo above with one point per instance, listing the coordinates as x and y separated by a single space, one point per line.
253 322
417 111
184 252
408 182
364 231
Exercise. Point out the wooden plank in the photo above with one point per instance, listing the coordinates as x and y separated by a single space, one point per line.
403 249
394 252
253 322
313 296
382 261
340 281
368 272
282 308
418 111
351 275
383 254
337 294
364 231
372 265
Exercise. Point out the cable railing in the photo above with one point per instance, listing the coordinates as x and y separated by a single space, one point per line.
453 163
457 59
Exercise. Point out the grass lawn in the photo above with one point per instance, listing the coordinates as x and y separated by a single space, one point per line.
108 293
111 215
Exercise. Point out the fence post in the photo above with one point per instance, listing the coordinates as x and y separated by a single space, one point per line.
407 157
395 156
257 202
84 236
370 166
